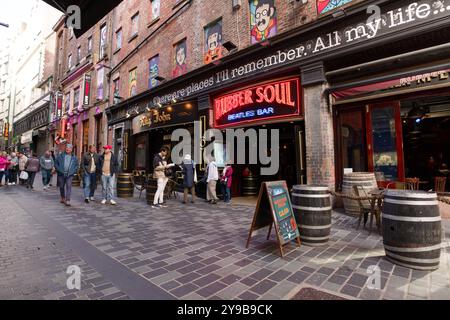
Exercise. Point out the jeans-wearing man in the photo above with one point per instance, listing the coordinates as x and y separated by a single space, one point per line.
90 166
66 166
47 165
109 167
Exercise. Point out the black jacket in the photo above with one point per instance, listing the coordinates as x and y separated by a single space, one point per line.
114 165
86 164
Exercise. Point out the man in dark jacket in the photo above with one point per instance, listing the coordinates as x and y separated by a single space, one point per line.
109 167
90 168
66 166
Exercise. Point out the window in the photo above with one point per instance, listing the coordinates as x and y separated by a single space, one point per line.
89 45
78 54
102 51
119 39
100 76
134 24
70 61
153 67
116 88
156 9
76 98
67 104
132 83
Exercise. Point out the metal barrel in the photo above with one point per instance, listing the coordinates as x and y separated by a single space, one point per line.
250 186
412 229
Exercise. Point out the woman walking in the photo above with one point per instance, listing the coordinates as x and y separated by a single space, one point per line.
32 167
3 165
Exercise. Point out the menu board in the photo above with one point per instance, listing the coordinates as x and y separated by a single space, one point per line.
274 208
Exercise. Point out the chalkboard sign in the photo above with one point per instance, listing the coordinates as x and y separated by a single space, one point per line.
274 208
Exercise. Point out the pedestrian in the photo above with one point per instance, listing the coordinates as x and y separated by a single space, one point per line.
211 180
189 177
160 167
90 167
13 168
3 165
22 162
66 166
109 167
47 166
226 181
32 167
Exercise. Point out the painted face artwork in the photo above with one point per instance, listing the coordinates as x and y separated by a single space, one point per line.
132 83
213 42
263 20
324 6
156 9
153 66
180 59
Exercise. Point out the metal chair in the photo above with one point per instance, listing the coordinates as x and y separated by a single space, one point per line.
439 184
140 183
364 205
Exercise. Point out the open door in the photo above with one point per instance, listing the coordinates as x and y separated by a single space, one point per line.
385 142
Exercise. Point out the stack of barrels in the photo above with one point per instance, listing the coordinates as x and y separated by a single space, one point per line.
125 186
366 180
412 229
312 209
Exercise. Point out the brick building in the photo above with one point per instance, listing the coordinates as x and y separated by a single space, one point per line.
311 69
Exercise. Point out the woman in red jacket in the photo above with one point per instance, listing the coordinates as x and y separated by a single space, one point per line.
3 165
226 181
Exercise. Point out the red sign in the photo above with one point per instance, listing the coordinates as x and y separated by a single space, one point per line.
87 89
259 103
59 103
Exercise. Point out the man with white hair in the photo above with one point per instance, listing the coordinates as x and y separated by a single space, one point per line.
213 176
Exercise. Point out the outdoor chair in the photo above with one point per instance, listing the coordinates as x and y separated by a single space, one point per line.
439 184
364 205
413 183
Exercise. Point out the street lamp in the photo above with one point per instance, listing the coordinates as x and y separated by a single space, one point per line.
4 25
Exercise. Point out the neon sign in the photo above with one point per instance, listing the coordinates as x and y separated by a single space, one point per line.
279 99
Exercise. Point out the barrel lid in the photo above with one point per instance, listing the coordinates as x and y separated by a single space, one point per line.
356 174
311 187
410 194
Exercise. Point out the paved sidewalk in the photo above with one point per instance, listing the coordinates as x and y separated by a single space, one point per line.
189 252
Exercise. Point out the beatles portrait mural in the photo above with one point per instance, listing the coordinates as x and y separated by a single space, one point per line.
263 20
179 59
213 42
324 6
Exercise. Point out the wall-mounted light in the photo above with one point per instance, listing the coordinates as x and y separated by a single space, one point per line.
160 78
128 115
159 104
230 46
174 100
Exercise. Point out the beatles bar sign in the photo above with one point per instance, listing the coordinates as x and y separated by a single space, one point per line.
259 103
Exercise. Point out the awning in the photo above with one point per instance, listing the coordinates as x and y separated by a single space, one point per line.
27 137
92 11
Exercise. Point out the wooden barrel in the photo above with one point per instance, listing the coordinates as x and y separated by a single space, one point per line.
364 179
125 186
152 186
312 210
250 186
76 181
412 229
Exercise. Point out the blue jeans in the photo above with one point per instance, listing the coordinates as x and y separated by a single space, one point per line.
46 176
107 187
65 186
226 192
90 184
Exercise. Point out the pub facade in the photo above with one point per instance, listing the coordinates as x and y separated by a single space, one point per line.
345 93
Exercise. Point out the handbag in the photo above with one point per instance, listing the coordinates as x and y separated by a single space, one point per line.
23 175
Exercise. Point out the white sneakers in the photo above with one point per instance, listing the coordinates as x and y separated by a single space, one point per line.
92 199
111 202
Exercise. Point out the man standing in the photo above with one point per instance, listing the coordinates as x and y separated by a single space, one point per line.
66 166
213 176
90 165
22 162
109 167
47 165
159 173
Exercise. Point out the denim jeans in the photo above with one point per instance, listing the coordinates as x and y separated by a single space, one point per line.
107 187
31 176
65 186
226 192
46 176
90 184
2 173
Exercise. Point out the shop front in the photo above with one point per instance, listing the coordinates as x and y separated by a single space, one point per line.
260 109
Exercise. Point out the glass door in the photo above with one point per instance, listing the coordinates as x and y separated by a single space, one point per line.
385 142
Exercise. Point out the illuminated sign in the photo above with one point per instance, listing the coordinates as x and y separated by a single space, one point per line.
259 103
87 89
59 102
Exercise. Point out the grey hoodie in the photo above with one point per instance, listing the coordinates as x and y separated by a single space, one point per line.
46 163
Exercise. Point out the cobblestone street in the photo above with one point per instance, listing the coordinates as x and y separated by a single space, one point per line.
196 251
